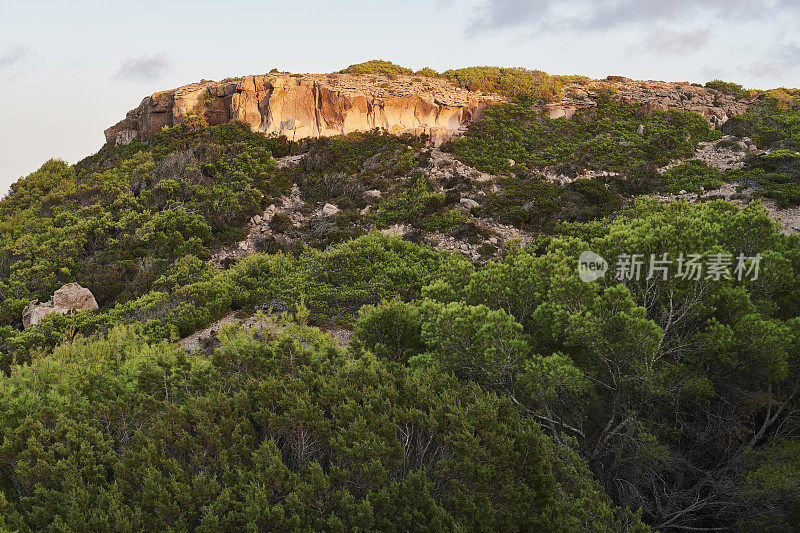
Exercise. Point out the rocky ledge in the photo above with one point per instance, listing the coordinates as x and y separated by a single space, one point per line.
716 106
312 105
318 105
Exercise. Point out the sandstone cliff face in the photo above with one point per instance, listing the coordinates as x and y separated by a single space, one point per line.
312 105
715 106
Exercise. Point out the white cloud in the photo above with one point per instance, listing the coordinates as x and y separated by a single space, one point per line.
780 63
13 60
671 41
143 69
606 15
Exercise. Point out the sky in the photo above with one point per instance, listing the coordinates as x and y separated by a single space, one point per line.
70 69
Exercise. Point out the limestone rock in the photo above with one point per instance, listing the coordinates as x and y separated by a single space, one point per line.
329 210
312 105
69 299
715 106
318 105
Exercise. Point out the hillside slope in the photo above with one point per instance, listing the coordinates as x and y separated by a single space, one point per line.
372 330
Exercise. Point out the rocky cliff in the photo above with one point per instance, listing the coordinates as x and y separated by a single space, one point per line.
717 107
314 105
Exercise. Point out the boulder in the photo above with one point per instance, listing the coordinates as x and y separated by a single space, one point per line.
469 203
329 210
69 299
398 230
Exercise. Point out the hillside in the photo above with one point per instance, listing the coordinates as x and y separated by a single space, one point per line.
354 301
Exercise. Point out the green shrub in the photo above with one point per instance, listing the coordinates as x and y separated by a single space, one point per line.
692 176
773 122
785 194
377 66
604 138
428 72
444 221
514 82
418 207
529 200
272 434
733 89
392 330
776 173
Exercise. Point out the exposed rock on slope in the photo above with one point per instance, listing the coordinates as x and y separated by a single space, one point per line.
717 107
316 105
70 298
312 105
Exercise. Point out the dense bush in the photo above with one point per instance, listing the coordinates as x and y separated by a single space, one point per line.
733 89
418 207
603 138
776 174
515 82
117 221
650 379
693 176
283 434
428 72
377 66
774 122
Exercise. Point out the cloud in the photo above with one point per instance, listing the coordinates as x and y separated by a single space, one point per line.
606 15
144 68
13 60
670 41
782 62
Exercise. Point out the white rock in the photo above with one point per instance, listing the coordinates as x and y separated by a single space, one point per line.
372 194
329 210
469 203
395 231
70 298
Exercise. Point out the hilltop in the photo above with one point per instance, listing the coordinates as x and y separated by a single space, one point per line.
318 105
353 301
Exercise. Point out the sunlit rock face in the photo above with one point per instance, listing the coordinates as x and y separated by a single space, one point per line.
312 105
317 105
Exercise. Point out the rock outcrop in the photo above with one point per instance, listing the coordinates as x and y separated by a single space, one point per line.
717 107
317 105
312 105
69 299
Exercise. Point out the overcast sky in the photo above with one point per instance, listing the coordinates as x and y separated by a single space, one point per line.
68 70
